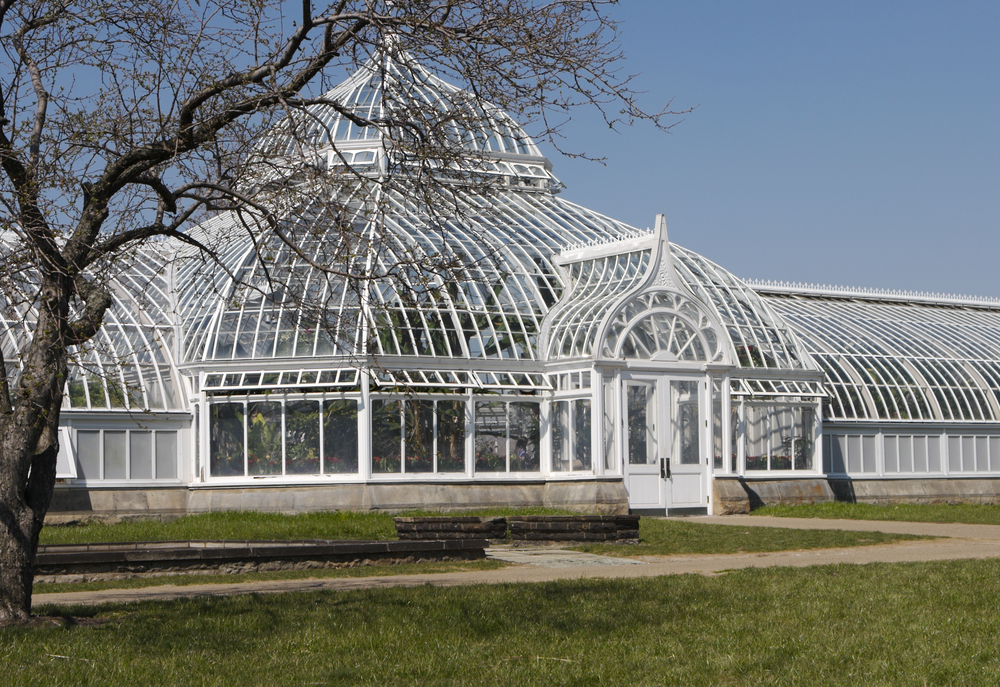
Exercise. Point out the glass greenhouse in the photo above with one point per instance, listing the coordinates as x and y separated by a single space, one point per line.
559 357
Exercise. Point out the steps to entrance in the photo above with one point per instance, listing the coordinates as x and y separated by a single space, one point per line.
538 528
607 528
450 527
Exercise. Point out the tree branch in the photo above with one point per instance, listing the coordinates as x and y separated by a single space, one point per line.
5 407
97 301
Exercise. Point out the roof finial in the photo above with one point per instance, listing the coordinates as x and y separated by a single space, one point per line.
661 227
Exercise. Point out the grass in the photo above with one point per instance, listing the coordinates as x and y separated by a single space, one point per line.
905 624
229 578
977 514
254 525
659 537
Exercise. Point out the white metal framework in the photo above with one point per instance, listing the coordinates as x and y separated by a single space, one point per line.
889 358
556 343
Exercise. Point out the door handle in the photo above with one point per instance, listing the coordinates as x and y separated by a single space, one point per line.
664 468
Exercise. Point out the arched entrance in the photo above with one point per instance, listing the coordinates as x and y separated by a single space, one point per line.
664 411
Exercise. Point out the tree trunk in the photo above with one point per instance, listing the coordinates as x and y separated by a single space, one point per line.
28 449
20 525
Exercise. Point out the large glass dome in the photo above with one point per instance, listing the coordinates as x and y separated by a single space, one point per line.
490 307
393 111
271 302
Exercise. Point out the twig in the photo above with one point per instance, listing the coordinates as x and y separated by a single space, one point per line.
69 658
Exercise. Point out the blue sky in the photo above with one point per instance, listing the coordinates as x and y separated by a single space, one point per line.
849 143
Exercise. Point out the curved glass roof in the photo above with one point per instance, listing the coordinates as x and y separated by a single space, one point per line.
888 359
597 285
392 88
128 366
491 306
759 337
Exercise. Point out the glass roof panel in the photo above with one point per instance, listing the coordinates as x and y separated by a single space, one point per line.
392 82
900 360
759 338
491 307
129 365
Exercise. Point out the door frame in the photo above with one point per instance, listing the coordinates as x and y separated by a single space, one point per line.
667 475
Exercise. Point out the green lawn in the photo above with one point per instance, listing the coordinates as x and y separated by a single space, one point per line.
890 624
658 537
910 512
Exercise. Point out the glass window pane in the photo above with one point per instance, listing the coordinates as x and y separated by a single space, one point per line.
525 435
868 448
387 432
933 454
95 390
920 454
756 438
114 455
581 435
264 438
491 436
905 449
804 439
889 454
641 410
451 436
854 463
140 455
560 436
610 464
968 454
717 434
226 432
88 454
954 454
340 436
302 438
166 455
838 454
419 435
782 437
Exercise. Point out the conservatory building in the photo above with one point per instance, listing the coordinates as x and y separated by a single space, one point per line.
565 359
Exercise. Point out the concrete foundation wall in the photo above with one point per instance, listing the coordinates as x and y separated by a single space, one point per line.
885 492
589 496
735 495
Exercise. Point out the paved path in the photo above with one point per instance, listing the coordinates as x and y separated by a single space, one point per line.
956 542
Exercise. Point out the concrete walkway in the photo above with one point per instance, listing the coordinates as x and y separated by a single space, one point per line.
543 565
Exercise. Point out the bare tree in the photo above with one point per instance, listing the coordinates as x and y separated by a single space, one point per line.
125 122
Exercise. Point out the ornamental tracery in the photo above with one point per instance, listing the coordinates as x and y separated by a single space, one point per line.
662 325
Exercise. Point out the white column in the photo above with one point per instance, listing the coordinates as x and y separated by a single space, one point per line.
364 427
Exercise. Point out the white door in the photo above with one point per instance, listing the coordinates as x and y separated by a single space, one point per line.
664 466
687 476
645 450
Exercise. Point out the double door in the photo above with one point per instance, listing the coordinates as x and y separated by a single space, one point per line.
662 433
